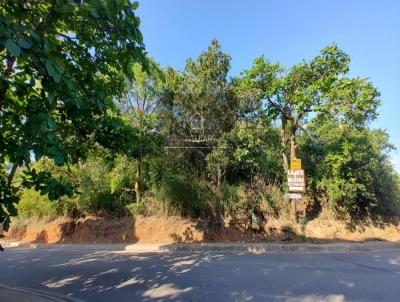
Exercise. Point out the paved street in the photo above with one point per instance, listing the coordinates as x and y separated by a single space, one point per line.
206 276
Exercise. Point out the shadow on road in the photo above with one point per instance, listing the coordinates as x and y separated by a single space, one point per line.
206 276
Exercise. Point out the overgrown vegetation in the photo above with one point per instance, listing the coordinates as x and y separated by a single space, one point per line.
195 142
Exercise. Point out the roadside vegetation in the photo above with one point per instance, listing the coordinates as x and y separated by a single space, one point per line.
92 125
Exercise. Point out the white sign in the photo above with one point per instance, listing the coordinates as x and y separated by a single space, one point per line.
295 172
296 181
296 189
295 196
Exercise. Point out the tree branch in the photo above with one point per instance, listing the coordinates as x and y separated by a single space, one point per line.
10 60
308 133
12 174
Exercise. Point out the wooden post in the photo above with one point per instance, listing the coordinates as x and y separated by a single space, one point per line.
293 147
138 180
219 176
294 210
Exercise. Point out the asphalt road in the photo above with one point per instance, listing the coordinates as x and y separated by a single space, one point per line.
206 276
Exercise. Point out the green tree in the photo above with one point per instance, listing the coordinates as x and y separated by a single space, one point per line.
249 150
140 103
63 62
315 89
199 104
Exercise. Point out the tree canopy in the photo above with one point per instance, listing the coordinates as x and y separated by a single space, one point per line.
63 63
318 89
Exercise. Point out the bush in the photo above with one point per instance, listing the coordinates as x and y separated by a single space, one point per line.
105 187
34 205
231 196
95 187
123 174
273 200
350 167
265 199
260 197
137 208
185 197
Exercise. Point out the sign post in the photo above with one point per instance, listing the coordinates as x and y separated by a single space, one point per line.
296 180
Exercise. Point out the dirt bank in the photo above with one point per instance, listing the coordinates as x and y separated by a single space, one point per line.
176 229
101 230
362 231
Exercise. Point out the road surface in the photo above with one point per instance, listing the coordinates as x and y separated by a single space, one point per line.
206 276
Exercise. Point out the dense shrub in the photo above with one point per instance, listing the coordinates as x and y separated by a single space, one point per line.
104 187
231 198
123 174
186 197
350 170
137 208
32 204
95 187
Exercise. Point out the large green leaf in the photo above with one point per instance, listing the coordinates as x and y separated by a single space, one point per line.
25 43
53 70
13 48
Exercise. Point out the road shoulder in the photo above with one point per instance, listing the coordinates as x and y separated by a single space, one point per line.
261 247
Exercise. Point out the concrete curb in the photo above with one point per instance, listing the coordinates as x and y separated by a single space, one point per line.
111 247
216 247
286 247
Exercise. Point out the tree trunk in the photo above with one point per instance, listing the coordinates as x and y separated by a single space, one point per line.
284 138
285 161
219 176
283 144
293 146
138 180
12 174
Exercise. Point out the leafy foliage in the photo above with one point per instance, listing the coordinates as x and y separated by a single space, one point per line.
199 104
351 168
317 89
249 150
33 204
63 62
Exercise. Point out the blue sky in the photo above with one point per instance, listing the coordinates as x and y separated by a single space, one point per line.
287 32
